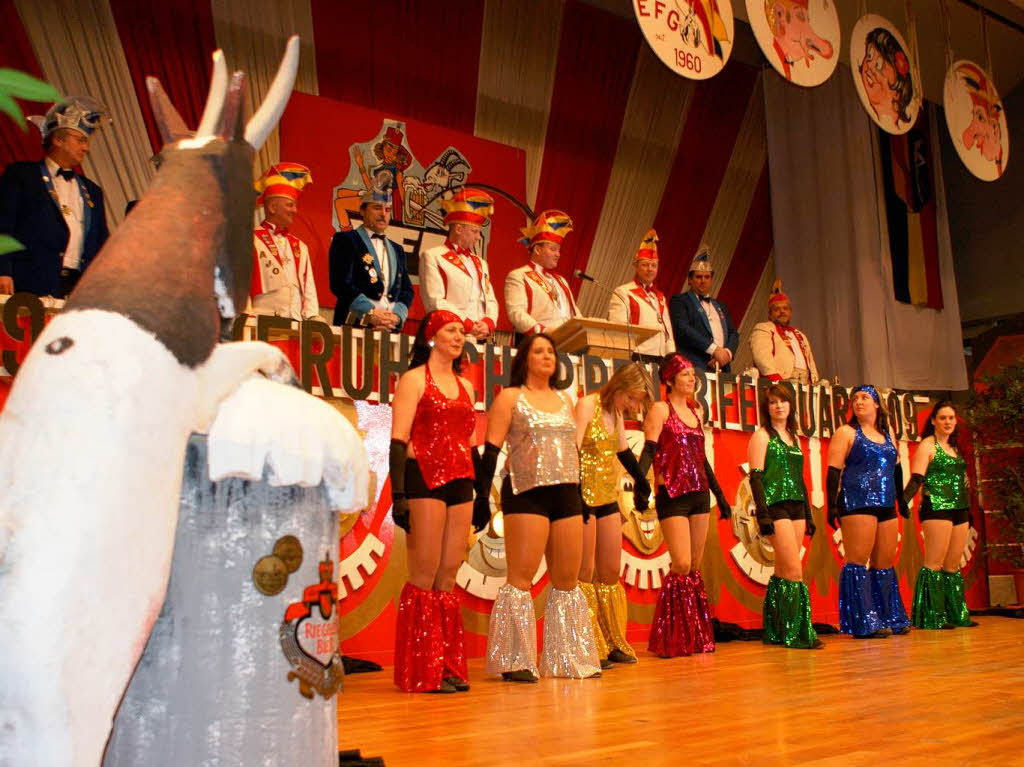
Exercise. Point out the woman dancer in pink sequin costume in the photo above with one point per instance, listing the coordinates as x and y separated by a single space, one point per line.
675 444
431 468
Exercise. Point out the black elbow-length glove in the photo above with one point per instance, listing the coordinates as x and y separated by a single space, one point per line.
485 466
764 520
396 469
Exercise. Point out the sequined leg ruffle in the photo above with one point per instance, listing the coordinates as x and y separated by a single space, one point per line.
956 602
611 616
568 649
682 624
891 611
512 633
929 608
592 609
787 614
452 635
858 614
419 647
703 632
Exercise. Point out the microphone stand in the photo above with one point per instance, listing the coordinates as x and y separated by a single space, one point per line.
580 274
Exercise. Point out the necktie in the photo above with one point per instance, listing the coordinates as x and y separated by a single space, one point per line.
67 174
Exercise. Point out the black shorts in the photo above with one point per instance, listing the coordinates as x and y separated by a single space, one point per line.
452 493
793 510
686 505
881 513
602 511
956 516
552 501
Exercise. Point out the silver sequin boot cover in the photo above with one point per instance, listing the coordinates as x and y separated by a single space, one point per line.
512 632
569 647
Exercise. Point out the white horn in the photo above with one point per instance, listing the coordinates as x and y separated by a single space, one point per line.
215 99
261 123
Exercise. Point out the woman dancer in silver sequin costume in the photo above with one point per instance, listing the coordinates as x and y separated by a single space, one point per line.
542 512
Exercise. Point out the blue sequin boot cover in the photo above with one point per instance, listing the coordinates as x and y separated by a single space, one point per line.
857 612
888 601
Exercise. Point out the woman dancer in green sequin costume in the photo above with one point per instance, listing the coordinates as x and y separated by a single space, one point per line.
784 517
945 519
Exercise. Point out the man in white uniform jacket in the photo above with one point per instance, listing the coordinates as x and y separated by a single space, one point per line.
282 277
640 303
781 352
452 276
538 299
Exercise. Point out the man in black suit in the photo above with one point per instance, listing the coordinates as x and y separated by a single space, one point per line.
702 326
56 214
368 272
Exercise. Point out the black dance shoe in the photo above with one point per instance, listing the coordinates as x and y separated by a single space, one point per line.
522 675
445 688
460 685
818 645
901 632
617 656
880 634
606 663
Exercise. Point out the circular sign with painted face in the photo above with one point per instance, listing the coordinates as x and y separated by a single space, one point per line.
692 37
883 74
976 120
800 38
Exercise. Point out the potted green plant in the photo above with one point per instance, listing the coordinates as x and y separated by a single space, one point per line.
996 415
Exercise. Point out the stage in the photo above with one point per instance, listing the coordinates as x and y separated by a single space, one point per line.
938 697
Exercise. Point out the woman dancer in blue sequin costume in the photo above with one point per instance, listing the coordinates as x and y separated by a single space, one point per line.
864 488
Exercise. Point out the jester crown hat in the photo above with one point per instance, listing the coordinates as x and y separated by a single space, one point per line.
648 247
775 295
468 206
78 113
549 226
283 179
702 261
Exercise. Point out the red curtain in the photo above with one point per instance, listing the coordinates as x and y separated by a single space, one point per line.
16 53
712 123
752 251
413 58
596 59
172 42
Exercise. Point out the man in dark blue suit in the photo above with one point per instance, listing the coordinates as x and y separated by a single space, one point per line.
702 326
368 272
56 214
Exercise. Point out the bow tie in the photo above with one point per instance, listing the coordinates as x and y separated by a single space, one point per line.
68 174
377 237
785 328
705 299
281 231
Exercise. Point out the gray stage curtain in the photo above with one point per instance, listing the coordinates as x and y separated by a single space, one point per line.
831 246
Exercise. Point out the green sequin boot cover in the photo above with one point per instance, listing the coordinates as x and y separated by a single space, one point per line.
956 602
787 614
929 611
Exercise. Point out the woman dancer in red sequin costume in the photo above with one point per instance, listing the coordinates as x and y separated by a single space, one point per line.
432 475
675 444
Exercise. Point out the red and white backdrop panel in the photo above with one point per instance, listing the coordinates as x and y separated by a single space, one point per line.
609 134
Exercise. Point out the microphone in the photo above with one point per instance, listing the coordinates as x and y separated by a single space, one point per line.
579 274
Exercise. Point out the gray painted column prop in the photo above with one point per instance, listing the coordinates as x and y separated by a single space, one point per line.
213 685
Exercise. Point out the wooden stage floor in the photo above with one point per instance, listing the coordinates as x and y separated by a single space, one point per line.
932 697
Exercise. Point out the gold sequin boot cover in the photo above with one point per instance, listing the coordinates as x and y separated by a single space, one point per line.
611 613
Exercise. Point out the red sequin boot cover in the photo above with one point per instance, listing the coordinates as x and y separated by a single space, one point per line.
703 631
419 646
452 634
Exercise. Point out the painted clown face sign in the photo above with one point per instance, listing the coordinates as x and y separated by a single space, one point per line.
693 38
800 38
976 120
884 74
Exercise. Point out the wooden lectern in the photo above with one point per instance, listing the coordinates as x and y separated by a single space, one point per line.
590 335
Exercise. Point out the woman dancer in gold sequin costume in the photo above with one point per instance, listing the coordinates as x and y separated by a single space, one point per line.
601 437
542 512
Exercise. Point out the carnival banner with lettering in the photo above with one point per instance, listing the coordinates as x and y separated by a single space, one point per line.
693 38
800 38
347 148
357 370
